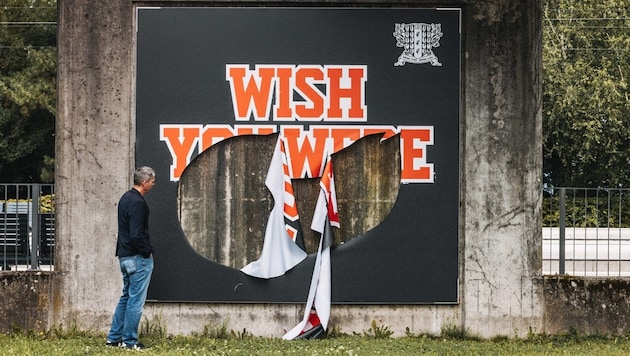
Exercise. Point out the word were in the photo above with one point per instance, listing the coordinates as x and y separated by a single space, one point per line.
306 149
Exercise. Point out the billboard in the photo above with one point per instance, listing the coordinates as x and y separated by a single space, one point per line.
321 79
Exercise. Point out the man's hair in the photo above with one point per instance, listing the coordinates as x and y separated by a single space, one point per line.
143 174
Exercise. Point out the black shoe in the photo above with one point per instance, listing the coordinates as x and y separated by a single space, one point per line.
114 343
137 346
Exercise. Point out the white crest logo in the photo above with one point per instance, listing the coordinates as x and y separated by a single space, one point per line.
418 40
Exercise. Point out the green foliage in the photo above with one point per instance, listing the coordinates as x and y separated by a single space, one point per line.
46 203
15 329
586 107
588 208
154 328
574 337
455 332
69 331
47 172
240 335
220 332
28 67
217 332
422 334
376 332
334 331
93 343
500 338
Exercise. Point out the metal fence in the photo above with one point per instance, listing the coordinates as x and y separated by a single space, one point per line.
586 232
27 226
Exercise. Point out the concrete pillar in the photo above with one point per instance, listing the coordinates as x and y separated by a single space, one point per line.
94 154
502 167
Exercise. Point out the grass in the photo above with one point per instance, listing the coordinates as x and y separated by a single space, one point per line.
449 342
347 345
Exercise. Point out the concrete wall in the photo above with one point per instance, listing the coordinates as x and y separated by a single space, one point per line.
501 160
588 305
26 300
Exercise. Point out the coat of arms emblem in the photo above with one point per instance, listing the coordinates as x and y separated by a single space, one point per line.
418 40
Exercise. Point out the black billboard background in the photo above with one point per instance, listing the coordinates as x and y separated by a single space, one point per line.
412 257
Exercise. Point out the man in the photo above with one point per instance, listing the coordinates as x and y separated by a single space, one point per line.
135 255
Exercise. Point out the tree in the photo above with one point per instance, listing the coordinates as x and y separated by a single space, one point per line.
28 37
586 111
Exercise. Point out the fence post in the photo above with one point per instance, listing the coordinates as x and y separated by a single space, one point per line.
561 243
36 192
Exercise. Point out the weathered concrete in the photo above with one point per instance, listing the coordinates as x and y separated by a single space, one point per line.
94 150
274 320
369 190
589 305
502 162
25 303
501 167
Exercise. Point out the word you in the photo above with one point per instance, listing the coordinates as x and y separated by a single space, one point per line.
306 149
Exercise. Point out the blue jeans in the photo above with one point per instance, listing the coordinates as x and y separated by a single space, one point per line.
136 271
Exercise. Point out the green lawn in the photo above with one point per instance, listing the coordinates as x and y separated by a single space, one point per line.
93 344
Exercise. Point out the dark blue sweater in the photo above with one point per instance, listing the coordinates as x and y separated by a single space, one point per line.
133 226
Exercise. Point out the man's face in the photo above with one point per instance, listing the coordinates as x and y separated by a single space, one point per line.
147 185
